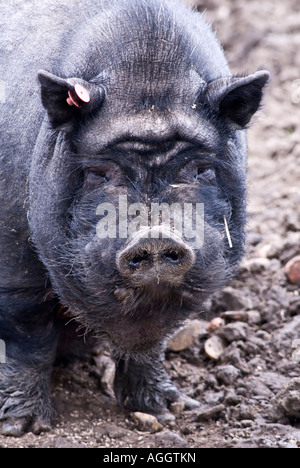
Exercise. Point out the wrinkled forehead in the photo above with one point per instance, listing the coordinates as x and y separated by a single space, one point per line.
147 130
148 84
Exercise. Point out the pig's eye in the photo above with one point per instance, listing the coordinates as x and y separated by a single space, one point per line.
97 176
203 172
198 172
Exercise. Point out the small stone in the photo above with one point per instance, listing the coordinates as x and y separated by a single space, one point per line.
227 374
292 270
189 429
166 418
147 422
256 265
211 413
288 400
111 430
170 439
216 323
232 399
186 337
213 398
214 347
177 407
211 381
233 332
274 380
233 355
189 403
233 299
253 238
235 316
255 386
63 442
116 433
243 412
246 423
251 316
254 317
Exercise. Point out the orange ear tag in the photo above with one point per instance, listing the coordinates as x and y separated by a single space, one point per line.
71 101
81 93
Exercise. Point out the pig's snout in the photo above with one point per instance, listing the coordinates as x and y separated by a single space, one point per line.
149 259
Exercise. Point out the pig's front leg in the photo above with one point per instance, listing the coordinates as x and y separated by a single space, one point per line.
25 375
145 386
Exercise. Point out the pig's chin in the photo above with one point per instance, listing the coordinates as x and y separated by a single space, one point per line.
147 317
137 336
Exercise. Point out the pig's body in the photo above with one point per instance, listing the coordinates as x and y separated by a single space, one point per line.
164 124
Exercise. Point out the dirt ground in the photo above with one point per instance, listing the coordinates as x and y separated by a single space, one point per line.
250 397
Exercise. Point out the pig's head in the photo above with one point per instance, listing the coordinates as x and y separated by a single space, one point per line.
134 180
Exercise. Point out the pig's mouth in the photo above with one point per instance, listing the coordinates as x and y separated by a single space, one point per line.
151 297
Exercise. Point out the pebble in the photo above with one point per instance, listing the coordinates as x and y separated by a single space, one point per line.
288 332
177 407
211 381
111 430
188 336
235 316
256 387
170 439
213 398
188 403
210 413
216 323
228 374
274 381
256 265
214 347
233 355
247 423
253 238
63 442
251 316
147 422
292 270
232 399
288 400
233 332
243 412
254 317
233 299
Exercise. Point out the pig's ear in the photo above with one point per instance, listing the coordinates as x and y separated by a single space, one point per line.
237 98
67 99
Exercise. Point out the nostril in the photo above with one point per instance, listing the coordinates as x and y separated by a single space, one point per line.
171 256
138 259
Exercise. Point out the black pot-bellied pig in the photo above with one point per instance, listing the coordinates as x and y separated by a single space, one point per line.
123 166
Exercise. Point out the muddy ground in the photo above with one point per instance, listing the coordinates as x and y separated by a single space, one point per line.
250 397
